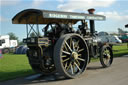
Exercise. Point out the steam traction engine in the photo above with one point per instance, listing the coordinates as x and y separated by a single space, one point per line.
62 48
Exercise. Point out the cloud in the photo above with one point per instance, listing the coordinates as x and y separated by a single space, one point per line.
37 3
60 1
115 16
83 5
2 19
9 2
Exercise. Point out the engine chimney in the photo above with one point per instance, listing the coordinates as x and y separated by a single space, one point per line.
92 24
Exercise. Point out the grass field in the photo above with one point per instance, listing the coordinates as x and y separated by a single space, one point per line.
120 50
13 66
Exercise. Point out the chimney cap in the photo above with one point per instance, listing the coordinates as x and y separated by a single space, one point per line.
91 11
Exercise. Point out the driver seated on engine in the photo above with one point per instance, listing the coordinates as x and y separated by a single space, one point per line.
52 30
57 30
83 28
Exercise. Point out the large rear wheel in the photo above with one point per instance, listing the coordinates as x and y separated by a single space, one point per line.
71 55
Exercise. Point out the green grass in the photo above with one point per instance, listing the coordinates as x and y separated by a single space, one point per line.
13 66
119 50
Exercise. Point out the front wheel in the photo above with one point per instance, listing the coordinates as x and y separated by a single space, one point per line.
106 56
71 55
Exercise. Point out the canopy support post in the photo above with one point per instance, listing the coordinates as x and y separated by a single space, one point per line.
37 28
27 27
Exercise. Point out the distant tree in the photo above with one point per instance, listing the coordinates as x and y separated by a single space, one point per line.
21 43
121 31
114 33
12 36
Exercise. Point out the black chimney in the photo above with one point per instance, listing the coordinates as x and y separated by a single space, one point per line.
92 24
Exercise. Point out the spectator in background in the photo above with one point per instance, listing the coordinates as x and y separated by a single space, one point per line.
0 53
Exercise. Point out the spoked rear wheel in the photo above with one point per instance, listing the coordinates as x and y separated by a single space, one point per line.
71 55
106 56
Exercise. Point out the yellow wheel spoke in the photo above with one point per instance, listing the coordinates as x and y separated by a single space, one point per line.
66 52
80 50
77 48
77 66
63 56
80 59
66 60
66 65
76 44
68 46
65 48
72 69
78 62
69 66
79 54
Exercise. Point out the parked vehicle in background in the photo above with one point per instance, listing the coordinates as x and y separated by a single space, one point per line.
107 38
7 45
124 37
0 53
22 49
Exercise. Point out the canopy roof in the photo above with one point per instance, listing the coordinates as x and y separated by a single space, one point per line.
34 16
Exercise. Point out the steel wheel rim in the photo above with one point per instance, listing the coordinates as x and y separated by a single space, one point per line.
73 56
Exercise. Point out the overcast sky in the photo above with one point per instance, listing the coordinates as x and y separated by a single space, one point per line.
116 12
